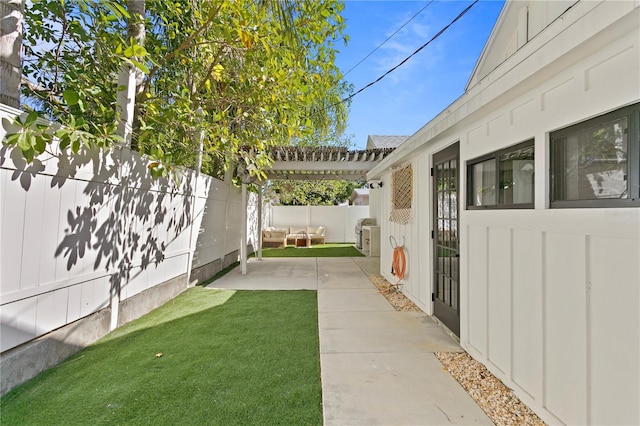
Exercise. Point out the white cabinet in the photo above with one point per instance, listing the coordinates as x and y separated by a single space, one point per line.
371 240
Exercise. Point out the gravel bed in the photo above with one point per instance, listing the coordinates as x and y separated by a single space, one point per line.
398 300
498 401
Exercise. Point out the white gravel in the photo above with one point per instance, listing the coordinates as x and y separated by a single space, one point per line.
498 401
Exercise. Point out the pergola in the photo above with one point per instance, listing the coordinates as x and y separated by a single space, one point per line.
311 163
323 163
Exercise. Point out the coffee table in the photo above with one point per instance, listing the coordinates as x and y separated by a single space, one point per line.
303 240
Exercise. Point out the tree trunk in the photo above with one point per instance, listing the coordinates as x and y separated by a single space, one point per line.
129 78
136 29
132 80
11 20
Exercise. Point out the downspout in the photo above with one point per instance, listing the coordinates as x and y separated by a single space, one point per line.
260 222
243 232
228 180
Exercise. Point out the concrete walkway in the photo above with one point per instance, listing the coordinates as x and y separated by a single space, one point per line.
377 364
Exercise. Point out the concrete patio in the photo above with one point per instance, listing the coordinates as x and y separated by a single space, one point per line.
377 364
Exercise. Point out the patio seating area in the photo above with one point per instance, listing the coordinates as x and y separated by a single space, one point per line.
298 236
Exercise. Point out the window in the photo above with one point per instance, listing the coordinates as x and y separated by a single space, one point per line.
595 163
502 179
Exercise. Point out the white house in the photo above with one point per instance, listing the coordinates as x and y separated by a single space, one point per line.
359 197
385 141
519 208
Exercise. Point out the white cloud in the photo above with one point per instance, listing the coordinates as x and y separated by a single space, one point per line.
405 43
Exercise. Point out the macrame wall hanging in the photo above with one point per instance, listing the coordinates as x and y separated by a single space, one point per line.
401 194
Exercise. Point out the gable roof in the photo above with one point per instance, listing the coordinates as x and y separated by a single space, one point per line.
379 141
564 31
361 193
518 23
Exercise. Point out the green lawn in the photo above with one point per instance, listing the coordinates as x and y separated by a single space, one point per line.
320 250
214 357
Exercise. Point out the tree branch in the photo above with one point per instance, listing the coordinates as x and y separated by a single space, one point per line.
186 43
42 92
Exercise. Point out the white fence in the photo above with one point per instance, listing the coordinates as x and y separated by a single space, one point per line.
340 221
77 237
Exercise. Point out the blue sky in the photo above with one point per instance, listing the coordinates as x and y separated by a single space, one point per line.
408 98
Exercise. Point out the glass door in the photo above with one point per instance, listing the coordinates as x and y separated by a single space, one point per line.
446 296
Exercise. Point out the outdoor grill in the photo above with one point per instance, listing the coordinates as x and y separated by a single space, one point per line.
366 221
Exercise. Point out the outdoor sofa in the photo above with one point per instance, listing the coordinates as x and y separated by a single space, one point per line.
281 236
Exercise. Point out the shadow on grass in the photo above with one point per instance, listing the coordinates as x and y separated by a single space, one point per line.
206 357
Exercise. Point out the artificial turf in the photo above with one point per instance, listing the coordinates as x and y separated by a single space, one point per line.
321 250
217 357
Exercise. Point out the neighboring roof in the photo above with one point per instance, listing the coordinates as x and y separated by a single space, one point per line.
362 193
323 163
378 141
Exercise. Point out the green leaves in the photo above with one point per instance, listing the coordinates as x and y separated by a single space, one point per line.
262 72
71 97
72 79
135 50
118 10
27 134
314 193
30 120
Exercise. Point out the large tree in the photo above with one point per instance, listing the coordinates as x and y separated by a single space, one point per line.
262 72
310 193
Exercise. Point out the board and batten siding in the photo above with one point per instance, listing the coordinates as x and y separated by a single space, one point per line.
550 298
553 307
413 236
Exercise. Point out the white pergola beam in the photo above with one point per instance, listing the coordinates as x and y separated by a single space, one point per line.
317 176
323 165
